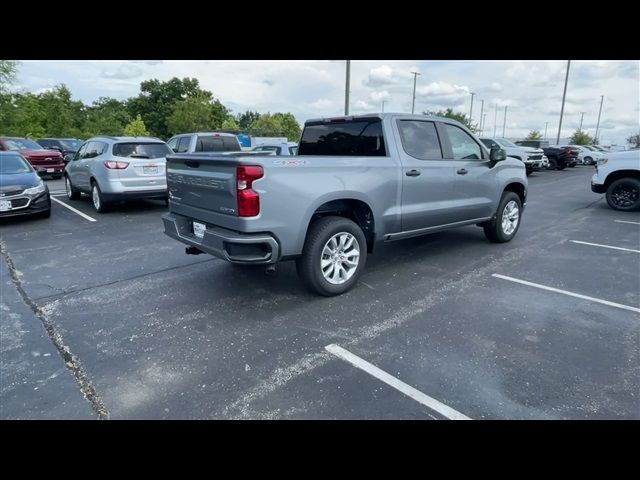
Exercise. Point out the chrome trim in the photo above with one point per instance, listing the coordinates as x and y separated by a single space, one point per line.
18 197
422 231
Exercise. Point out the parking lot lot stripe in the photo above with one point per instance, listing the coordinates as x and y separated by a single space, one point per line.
392 381
74 210
626 221
565 292
605 246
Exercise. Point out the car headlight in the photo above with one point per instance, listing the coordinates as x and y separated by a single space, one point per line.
35 190
603 161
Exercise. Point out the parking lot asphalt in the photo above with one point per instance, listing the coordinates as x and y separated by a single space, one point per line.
155 333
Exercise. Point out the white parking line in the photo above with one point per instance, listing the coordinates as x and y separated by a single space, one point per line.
626 221
399 385
565 292
605 246
74 210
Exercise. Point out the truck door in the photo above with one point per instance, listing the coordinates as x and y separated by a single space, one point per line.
475 181
427 178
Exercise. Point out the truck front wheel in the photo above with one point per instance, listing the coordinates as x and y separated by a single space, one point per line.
624 194
507 221
334 255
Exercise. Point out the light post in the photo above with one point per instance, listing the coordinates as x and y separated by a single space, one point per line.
545 130
495 121
581 119
471 110
383 105
599 112
413 101
346 88
564 94
504 124
481 111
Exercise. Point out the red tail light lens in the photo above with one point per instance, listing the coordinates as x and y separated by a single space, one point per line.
248 199
111 165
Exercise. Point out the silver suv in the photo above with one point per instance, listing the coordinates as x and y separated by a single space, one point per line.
112 169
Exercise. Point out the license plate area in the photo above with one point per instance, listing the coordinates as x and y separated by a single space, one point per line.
5 205
150 170
199 229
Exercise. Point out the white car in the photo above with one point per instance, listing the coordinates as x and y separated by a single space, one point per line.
588 155
618 176
533 158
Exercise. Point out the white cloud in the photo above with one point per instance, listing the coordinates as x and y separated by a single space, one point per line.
124 71
362 105
379 96
437 89
496 87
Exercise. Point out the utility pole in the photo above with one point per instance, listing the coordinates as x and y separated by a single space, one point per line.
383 105
504 125
564 94
484 122
347 88
581 119
495 121
481 110
471 111
599 112
545 130
413 102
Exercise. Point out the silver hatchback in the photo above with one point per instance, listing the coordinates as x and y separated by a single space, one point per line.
113 169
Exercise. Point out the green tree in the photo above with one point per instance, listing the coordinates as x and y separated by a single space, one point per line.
534 135
192 114
246 119
634 140
136 128
61 116
8 70
230 124
106 116
26 120
156 100
580 137
276 125
458 116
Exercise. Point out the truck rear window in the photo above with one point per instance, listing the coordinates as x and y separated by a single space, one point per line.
358 138
217 144
141 150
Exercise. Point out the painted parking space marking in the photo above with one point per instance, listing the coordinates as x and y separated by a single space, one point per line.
392 381
566 292
83 215
605 246
627 221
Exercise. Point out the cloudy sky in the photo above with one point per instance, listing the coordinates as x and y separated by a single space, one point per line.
532 90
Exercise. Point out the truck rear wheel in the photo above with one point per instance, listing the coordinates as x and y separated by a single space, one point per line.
334 255
507 221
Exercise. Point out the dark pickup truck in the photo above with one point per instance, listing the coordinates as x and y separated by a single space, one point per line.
559 157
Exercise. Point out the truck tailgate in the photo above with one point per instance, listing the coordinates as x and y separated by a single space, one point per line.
205 181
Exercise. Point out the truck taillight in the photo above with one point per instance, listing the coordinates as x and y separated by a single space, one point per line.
115 165
248 199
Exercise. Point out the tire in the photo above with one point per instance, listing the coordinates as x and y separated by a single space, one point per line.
529 171
72 192
588 161
322 235
624 194
97 198
499 230
572 165
553 164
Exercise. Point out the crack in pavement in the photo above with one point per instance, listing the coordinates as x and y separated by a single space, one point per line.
70 360
59 296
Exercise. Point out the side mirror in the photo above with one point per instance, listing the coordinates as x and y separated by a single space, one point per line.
68 157
497 155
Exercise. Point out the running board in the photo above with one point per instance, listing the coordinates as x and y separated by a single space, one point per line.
423 231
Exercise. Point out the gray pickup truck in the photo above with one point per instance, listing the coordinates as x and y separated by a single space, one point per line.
355 182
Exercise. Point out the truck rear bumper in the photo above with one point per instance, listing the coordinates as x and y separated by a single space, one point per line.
223 243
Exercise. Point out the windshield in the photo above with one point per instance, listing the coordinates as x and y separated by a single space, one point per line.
71 144
13 164
141 150
21 144
506 143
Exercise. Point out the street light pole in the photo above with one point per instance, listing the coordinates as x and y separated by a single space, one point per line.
564 94
599 112
347 88
481 111
484 122
413 101
545 130
581 119
471 111
383 105
495 121
504 125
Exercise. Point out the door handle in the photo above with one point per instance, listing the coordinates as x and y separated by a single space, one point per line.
462 171
412 173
